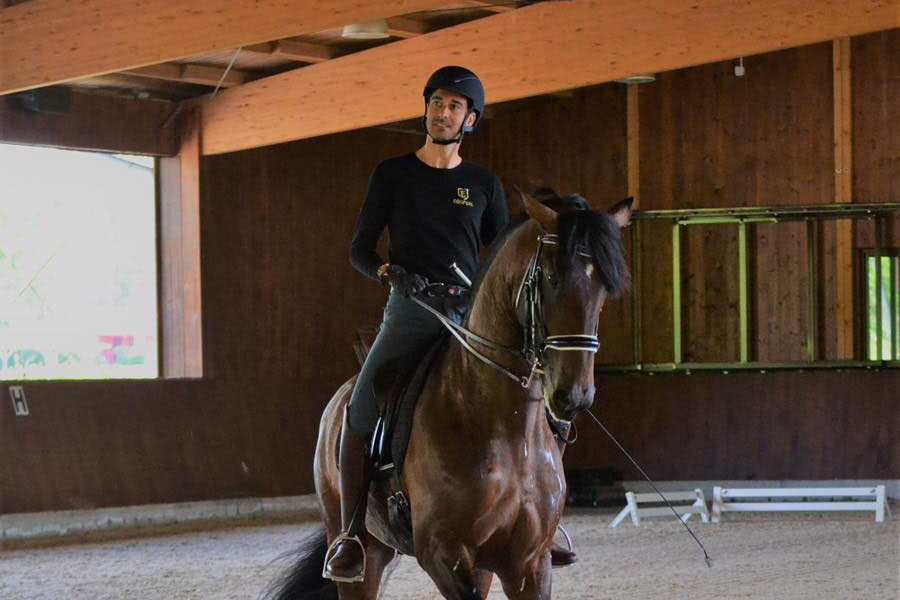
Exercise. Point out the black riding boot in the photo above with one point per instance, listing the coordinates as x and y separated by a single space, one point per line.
346 559
559 556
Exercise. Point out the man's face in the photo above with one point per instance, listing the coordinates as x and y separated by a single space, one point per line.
446 113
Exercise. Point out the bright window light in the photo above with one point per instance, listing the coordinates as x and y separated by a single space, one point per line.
77 265
883 305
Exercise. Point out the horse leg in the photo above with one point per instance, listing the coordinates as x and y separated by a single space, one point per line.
450 567
483 580
532 584
378 557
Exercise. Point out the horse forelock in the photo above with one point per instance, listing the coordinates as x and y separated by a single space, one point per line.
598 236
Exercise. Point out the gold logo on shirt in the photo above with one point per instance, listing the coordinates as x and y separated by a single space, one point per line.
463 198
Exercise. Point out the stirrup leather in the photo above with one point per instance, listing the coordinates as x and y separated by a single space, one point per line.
344 537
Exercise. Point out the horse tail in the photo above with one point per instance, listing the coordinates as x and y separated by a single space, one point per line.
303 580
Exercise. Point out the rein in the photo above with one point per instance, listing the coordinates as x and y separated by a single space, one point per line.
536 343
535 346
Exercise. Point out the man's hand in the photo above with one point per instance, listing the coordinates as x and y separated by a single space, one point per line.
404 283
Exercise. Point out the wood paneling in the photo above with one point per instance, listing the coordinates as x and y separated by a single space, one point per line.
745 426
94 122
712 139
876 113
575 144
52 41
780 279
537 49
709 294
280 297
113 443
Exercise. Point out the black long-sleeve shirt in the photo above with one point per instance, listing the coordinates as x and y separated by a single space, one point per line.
434 217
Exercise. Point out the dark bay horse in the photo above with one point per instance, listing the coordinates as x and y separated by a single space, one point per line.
483 472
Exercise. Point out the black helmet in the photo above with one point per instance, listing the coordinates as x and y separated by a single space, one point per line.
460 81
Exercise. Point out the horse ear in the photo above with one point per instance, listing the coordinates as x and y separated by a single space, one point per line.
621 211
546 217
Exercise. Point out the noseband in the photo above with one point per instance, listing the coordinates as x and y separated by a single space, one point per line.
536 342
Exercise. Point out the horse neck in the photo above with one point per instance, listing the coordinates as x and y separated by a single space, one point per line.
493 316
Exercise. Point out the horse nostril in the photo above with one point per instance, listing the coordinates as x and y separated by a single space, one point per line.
561 398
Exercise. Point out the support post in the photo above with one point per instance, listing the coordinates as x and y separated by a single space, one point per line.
843 194
632 115
812 319
181 333
676 291
742 291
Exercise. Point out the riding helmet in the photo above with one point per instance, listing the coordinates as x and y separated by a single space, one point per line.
460 81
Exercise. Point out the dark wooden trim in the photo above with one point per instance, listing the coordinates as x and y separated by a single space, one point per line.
94 122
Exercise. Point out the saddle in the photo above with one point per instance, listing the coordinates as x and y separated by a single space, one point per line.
398 385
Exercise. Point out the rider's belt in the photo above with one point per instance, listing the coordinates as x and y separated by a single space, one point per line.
444 290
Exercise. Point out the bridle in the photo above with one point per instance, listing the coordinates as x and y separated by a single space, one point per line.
534 348
536 343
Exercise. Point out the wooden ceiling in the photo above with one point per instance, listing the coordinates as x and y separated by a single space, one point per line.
199 74
285 72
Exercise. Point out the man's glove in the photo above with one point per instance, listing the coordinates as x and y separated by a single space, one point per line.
405 283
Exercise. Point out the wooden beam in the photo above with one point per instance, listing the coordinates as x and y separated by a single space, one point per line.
843 193
94 122
633 125
179 239
406 28
199 74
534 50
498 7
293 50
53 41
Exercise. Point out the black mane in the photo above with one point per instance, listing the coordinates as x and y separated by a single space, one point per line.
581 230
598 236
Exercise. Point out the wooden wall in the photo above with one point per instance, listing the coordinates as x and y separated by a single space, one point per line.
281 303
776 425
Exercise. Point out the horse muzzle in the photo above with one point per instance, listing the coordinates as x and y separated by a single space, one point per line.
566 403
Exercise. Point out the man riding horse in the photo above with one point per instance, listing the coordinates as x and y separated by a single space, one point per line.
439 210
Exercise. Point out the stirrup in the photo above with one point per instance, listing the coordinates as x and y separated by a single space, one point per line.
344 537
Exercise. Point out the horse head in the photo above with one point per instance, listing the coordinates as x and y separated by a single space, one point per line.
577 265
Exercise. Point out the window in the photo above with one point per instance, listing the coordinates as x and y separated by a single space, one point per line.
882 304
78 294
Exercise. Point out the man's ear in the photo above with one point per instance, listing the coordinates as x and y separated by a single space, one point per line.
621 211
471 118
546 217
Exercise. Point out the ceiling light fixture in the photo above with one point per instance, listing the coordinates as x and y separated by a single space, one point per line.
635 79
373 30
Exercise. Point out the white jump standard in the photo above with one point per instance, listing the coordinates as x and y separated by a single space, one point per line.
826 499
696 498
